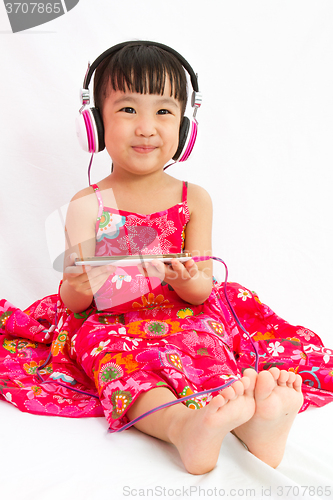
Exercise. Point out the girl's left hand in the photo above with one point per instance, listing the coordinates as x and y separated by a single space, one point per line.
174 274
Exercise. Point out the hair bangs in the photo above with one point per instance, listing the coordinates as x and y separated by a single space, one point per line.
142 69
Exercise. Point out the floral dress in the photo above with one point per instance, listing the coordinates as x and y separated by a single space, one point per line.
138 334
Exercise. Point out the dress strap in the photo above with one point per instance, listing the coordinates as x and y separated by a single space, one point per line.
99 199
184 198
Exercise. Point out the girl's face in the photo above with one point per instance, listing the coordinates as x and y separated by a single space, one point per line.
141 130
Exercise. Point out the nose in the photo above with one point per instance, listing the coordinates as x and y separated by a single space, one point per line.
145 127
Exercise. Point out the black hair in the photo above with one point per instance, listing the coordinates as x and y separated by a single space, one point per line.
142 69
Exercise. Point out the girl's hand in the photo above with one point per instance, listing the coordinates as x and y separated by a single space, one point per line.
193 284
86 280
176 274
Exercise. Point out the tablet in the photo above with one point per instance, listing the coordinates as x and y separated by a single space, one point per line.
130 260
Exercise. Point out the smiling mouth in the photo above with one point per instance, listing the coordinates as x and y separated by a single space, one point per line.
143 149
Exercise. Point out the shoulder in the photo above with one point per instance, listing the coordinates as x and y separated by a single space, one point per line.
83 193
84 204
198 198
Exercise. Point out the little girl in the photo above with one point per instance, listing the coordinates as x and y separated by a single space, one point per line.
151 334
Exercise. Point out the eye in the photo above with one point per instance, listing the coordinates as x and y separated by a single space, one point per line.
163 112
128 110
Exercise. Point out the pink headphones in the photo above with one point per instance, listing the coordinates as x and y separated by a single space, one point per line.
89 124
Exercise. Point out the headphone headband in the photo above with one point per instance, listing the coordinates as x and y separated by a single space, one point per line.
119 46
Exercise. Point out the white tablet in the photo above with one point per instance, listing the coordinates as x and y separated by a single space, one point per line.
130 260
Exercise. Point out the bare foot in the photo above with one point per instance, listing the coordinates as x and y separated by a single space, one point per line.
198 435
278 397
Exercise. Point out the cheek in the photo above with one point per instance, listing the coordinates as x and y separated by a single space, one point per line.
173 134
113 135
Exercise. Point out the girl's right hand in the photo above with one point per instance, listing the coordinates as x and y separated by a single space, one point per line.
86 280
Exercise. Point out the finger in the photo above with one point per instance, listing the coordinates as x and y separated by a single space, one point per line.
142 269
158 265
76 270
154 268
98 270
189 263
97 280
191 267
176 271
70 259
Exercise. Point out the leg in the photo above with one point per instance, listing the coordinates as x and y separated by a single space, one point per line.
278 397
197 434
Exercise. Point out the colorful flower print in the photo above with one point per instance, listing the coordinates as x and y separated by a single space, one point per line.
4 318
73 340
109 319
36 391
217 327
109 225
328 376
173 375
119 278
62 376
32 367
263 336
120 401
194 404
120 359
157 328
202 351
139 239
59 343
100 348
328 353
299 355
174 360
244 294
311 348
146 327
146 235
110 371
184 313
304 332
151 302
23 344
275 348
310 377
187 391
9 345
9 398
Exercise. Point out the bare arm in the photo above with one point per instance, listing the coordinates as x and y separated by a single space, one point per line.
79 286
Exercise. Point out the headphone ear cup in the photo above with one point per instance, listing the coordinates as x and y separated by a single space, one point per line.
90 130
187 136
99 129
183 134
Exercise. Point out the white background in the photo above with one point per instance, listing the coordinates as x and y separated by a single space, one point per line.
264 153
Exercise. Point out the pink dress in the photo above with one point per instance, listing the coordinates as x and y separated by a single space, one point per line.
139 335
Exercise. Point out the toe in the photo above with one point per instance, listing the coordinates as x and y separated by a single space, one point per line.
265 385
283 378
251 375
275 372
298 383
239 387
216 403
291 379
